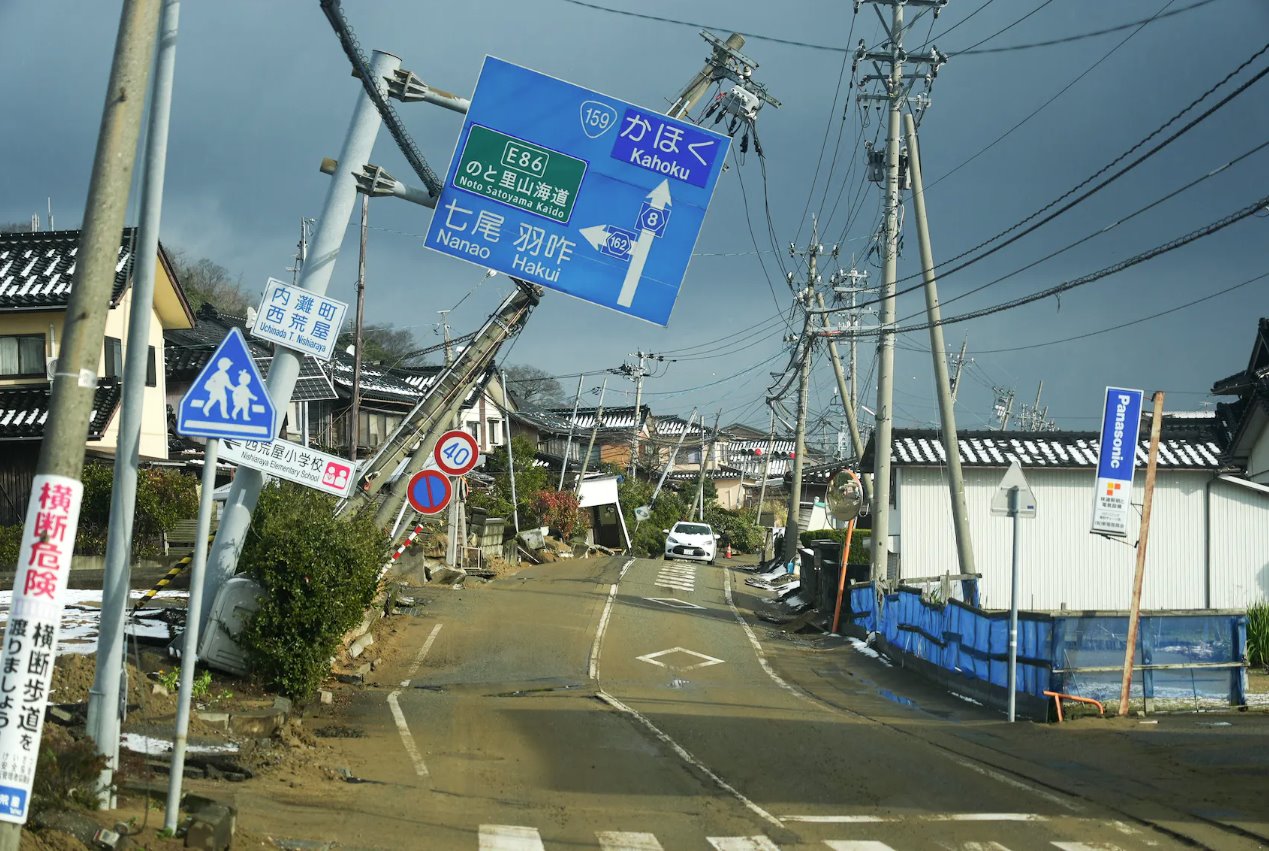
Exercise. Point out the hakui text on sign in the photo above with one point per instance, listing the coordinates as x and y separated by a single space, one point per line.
1116 460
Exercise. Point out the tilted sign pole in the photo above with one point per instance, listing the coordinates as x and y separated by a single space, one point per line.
189 650
103 698
52 518
1134 614
341 196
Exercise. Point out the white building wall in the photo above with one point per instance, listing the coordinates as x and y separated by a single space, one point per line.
1061 563
1240 543
1258 460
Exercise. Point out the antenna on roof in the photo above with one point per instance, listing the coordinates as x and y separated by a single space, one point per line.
35 222
50 213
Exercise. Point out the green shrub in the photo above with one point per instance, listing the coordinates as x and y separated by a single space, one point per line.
646 537
318 571
858 555
737 527
10 541
530 480
165 496
1258 635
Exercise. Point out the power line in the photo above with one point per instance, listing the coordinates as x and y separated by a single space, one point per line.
1123 325
1082 36
1004 29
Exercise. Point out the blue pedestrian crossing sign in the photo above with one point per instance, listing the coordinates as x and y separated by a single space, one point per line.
228 398
577 191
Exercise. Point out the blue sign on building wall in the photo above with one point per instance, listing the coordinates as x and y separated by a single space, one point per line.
576 191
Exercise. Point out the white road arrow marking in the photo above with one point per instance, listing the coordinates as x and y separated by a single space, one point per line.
659 199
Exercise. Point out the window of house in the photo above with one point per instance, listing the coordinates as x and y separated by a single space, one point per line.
495 432
22 356
114 358
151 369
475 431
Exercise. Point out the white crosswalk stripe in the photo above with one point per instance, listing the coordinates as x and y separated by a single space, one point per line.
506 837
617 840
743 843
679 577
509 837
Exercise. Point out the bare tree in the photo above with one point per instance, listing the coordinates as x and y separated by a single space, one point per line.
206 281
534 388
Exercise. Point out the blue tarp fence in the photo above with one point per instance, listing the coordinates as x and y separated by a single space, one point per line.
1184 659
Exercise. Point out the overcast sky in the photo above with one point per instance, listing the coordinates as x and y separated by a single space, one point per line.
263 93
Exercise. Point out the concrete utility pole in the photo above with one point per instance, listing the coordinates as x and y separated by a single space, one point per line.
103 699
354 413
639 374
947 408
766 469
848 402
960 365
706 77
804 382
1004 401
700 481
572 424
599 415
341 195
895 95
61 461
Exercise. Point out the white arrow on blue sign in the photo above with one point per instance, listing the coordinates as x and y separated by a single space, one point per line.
577 191
228 398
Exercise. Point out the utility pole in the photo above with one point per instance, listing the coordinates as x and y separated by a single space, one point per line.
572 424
444 326
959 360
103 698
894 96
947 408
354 429
599 415
804 383
766 469
700 481
848 404
639 374
341 195
59 469
699 84
1004 404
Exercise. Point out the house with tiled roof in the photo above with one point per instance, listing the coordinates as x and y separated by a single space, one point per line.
1246 419
37 270
563 432
1206 545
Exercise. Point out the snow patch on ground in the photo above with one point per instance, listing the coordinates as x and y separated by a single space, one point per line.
81 618
153 746
861 647
966 698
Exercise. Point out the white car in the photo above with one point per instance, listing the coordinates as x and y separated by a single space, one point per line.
695 541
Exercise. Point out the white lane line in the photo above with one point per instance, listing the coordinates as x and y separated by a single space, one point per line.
420 767
617 840
757 648
411 749
689 759
418 658
1086 846
509 837
743 843
857 845
599 633
624 568
944 817
983 846
1018 784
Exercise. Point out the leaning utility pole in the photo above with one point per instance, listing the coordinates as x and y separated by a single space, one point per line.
947 408
594 432
895 95
572 426
766 470
354 426
57 488
848 404
700 481
707 76
960 365
341 195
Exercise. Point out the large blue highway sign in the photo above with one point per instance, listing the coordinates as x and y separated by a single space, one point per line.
228 398
577 191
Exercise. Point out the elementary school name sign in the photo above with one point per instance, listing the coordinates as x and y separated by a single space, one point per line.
576 191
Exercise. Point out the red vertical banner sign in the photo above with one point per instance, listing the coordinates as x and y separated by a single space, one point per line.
30 638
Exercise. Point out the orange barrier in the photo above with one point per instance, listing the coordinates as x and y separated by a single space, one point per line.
1058 697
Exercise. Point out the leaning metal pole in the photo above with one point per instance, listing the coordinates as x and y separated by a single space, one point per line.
103 699
341 197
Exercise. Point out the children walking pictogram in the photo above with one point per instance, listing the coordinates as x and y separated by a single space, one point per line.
243 397
217 386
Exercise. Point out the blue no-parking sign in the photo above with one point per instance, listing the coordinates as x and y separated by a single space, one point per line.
228 398
576 191
429 492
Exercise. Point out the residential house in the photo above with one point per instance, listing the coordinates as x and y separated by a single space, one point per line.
1247 419
36 274
1209 531
560 432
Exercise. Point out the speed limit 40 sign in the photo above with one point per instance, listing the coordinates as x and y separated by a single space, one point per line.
456 453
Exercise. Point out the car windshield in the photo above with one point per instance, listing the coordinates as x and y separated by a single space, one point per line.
692 529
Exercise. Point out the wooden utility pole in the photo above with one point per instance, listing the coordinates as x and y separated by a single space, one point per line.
1134 613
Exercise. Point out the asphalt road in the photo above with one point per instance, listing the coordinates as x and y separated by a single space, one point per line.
631 704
